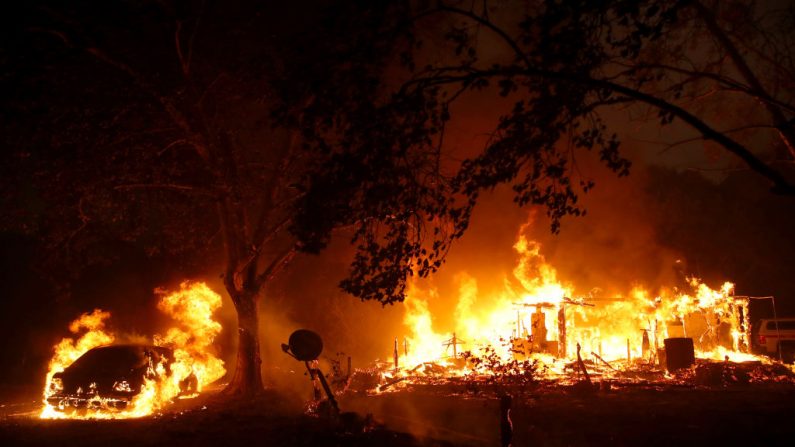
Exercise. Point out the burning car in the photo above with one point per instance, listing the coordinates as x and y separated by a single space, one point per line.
110 377
103 379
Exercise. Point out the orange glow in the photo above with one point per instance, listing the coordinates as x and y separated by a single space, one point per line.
192 308
537 315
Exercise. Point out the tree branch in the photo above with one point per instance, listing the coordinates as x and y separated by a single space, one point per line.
183 63
230 243
278 263
763 97
167 186
256 249
494 28
271 193
176 116
780 184
786 131
185 57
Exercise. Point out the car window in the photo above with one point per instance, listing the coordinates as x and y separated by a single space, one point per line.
782 325
110 360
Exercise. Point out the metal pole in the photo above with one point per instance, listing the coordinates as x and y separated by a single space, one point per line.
328 391
778 332
312 376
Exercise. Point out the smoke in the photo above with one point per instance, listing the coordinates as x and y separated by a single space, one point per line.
306 296
613 247
610 250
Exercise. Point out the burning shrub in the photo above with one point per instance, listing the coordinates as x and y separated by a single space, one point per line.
490 368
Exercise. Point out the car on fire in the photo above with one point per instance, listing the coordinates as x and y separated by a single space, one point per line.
109 377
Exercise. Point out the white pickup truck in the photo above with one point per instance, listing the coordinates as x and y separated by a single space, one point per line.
777 334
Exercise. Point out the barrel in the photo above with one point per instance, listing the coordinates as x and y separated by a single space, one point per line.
679 353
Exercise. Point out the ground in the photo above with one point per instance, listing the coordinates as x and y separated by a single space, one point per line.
556 416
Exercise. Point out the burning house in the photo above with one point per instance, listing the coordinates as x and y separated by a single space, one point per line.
538 317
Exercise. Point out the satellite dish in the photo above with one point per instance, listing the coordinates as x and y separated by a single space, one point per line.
305 345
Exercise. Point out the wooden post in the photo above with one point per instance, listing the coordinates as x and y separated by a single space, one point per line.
562 331
629 355
582 365
518 325
656 336
395 354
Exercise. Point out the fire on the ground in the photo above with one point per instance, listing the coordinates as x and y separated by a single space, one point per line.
536 325
539 321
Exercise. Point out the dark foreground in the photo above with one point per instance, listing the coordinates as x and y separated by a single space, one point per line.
755 415
269 420
637 416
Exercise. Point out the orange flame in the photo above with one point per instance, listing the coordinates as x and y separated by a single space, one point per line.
68 350
537 315
192 307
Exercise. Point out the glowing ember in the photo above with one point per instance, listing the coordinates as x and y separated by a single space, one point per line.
192 367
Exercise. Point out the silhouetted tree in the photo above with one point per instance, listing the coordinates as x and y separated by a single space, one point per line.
231 131
562 64
157 136
151 123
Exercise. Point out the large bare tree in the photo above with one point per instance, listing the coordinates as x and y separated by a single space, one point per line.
168 137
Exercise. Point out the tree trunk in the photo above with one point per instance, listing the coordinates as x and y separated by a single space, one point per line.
247 379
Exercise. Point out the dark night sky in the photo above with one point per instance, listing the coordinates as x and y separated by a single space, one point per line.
728 227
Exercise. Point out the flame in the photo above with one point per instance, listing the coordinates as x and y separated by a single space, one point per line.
192 308
68 350
425 346
484 321
538 316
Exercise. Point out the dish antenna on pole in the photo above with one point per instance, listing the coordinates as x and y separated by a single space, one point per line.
306 346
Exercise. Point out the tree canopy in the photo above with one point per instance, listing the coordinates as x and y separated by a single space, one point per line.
562 65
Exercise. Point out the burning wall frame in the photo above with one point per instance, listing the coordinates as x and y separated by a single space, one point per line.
726 327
